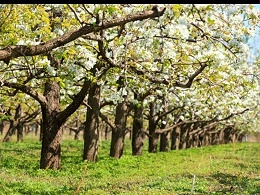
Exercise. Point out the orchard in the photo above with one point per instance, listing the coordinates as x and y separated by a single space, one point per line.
177 75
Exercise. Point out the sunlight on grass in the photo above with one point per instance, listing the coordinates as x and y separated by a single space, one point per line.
222 169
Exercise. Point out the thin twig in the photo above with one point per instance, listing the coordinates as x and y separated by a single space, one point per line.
75 13
7 15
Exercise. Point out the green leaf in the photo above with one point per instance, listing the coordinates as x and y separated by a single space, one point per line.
210 21
59 56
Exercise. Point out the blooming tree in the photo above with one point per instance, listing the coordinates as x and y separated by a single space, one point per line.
188 56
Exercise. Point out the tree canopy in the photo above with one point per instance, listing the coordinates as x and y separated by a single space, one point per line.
195 56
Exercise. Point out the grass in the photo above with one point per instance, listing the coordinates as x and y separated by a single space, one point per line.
222 169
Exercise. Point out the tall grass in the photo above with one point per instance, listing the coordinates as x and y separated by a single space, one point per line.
222 169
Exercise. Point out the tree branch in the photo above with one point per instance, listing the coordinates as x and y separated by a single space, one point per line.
26 89
9 52
192 77
77 101
211 125
75 13
107 121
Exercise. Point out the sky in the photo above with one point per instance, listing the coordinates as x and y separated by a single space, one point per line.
255 41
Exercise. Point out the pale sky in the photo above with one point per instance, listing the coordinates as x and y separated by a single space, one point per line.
255 40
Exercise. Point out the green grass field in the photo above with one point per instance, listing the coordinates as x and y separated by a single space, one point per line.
222 169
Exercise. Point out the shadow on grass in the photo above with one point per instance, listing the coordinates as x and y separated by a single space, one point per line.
6 150
235 184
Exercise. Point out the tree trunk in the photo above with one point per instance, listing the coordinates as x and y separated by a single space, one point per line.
20 125
176 138
214 140
51 128
221 136
233 137
153 137
164 137
193 139
91 126
118 133
164 142
9 132
36 128
201 136
205 139
41 128
79 127
76 131
137 133
240 136
20 128
14 124
76 135
184 135
106 132
1 127
52 121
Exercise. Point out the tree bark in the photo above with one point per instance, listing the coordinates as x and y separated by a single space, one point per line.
20 126
2 127
51 128
164 142
137 133
76 130
193 138
41 129
9 132
76 135
221 136
118 133
175 145
205 140
52 120
184 135
153 137
91 126
14 124
164 137
214 138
